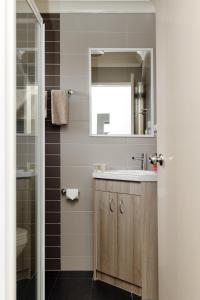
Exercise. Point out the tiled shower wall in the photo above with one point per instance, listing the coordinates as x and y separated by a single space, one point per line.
79 151
52 143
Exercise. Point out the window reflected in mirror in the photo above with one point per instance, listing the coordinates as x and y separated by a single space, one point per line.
121 92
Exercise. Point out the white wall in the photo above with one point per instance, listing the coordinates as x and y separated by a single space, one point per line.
178 107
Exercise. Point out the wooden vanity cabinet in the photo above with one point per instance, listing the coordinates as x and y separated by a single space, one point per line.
106 232
125 237
129 233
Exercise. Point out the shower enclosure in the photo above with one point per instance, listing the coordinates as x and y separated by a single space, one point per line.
30 152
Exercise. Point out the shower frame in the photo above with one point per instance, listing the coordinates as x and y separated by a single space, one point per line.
40 154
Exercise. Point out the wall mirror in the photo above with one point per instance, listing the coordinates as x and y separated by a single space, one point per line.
121 92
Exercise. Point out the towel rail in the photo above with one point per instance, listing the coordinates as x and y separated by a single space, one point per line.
69 92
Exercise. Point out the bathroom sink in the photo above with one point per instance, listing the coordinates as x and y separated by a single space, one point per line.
24 173
127 175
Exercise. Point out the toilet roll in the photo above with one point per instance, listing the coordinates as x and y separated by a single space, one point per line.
72 194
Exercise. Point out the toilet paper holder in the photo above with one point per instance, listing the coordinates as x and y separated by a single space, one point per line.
64 193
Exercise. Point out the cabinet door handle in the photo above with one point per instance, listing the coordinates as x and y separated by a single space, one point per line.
121 207
111 205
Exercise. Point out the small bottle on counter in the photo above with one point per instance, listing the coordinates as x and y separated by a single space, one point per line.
154 167
99 167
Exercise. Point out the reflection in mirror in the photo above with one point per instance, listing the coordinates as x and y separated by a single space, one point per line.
121 92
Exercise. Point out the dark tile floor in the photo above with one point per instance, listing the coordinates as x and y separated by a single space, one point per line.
26 289
80 286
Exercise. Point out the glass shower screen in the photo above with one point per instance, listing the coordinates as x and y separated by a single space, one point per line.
29 179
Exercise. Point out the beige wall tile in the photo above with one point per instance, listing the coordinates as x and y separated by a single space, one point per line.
79 84
141 23
140 141
94 22
79 109
79 222
141 40
80 42
76 245
76 263
76 176
73 65
77 132
111 154
84 203
92 153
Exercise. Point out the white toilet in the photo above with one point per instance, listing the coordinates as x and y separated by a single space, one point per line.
22 239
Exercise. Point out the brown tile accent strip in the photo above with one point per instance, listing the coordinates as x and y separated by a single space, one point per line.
52 240
52 195
52 46
53 172
52 252
53 149
53 206
52 264
52 160
52 138
50 128
52 58
52 24
52 229
52 69
52 36
52 142
52 217
52 183
52 80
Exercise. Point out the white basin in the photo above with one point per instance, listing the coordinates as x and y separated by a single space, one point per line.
24 173
127 175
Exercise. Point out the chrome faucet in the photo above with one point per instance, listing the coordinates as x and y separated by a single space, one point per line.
143 159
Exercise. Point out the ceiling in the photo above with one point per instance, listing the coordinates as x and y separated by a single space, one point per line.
96 6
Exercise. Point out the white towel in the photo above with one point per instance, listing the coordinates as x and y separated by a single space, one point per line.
59 107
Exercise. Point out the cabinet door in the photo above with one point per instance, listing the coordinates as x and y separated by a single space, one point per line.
106 218
130 238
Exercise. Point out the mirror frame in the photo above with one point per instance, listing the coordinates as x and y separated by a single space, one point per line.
152 93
